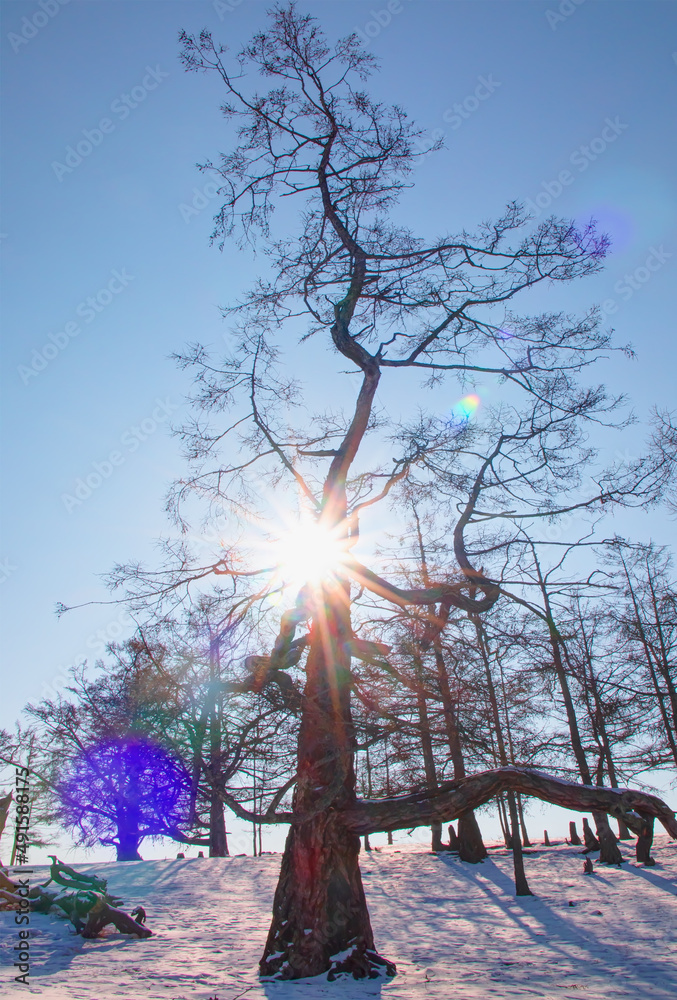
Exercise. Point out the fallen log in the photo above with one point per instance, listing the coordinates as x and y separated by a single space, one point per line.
102 914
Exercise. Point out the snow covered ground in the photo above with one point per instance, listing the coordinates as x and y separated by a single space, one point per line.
454 930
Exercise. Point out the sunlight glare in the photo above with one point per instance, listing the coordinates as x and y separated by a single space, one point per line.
309 553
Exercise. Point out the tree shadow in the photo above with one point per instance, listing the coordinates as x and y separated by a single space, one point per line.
558 934
657 880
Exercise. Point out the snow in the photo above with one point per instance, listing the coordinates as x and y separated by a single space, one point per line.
454 930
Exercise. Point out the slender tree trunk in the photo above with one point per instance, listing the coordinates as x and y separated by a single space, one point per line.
218 842
390 832
663 660
320 918
521 884
523 826
504 821
660 697
470 845
469 841
609 851
511 747
218 839
427 748
600 724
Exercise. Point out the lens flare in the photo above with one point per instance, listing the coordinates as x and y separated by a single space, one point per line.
463 411
308 553
467 406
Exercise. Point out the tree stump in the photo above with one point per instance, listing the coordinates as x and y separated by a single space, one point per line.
573 834
470 844
453 839
546 839
591 841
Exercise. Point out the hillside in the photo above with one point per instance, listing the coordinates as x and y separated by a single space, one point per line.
454 930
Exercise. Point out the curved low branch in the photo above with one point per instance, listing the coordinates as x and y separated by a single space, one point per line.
446 594
457 797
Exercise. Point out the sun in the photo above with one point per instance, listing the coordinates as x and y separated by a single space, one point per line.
309 553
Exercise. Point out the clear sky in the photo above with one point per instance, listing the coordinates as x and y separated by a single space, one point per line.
107 267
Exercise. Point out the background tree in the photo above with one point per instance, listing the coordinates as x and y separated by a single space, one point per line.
112 777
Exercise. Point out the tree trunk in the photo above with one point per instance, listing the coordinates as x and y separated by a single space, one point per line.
218 840
609 851
644 842
470 845
523 826
660 697
427 748
320 919
521 884
128 847
663 660
503 818
598 721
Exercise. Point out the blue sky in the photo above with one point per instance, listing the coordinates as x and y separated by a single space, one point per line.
107 267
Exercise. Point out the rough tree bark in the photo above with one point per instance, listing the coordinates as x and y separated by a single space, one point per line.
320 917
127 846
644 842
455 797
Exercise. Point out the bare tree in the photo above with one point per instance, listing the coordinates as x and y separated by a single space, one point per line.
387 302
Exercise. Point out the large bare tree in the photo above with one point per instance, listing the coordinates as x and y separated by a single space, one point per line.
380 301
